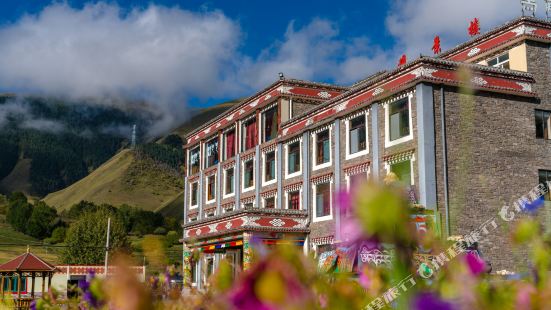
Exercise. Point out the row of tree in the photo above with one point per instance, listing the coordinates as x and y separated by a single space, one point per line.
83 227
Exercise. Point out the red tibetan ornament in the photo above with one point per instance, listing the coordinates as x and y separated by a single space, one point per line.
402 60
436 45
474 27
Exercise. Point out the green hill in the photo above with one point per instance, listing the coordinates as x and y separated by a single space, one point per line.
144 179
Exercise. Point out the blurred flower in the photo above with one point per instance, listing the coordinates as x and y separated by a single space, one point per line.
476 264
344 201
524 297
364 279
533 206
429 301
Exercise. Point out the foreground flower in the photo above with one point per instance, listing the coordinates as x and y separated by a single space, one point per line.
429 301
476 264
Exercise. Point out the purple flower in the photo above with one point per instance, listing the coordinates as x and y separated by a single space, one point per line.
344 201
476 264
533 206
429 301
244 297
33 305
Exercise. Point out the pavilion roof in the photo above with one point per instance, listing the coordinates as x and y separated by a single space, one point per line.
26 262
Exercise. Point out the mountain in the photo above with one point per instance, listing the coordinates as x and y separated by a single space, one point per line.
149 177
49 143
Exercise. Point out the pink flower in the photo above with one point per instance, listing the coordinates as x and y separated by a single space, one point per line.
524 297
344 201
364 279
476 264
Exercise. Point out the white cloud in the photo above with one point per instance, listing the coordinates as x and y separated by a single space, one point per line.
165 55
414 23
314 52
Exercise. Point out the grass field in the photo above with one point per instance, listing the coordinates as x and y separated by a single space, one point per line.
13 243
121 180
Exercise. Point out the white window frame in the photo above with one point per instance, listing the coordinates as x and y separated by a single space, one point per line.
409 137
242 132
264 182
191 206
347 130
207 186
411 160
224 174
499 64
205 152
315 218
243 189
348 177
225 142
264 201
315 145
300 207
299 172
263 122
189 159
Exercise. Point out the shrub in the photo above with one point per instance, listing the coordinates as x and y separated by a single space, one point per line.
159 231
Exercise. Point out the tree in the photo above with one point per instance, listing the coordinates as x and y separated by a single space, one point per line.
58 235
42 221
86 238
19 211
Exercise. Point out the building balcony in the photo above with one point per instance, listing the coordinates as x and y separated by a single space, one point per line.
248 220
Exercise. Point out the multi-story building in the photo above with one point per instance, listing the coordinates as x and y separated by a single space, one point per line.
269 167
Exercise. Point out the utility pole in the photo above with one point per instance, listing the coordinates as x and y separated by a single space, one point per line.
107 245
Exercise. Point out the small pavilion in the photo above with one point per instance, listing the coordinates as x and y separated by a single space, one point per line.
20 269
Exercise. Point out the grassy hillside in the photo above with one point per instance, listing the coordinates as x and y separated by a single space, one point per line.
18 179
123 179
9 237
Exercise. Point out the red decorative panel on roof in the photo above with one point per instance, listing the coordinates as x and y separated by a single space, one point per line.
248 221
481 80
493 42
259 101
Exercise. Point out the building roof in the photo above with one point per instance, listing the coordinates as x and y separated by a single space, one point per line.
254 99
26 262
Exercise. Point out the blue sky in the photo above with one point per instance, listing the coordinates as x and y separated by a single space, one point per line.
182 54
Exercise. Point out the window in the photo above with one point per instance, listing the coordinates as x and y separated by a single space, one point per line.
229 140
357 135
249 134
399 119
212 153
269 124
194 160
323 149
211 188
269 203
293 200
209 262
293 158
323 201
269 167
194 194
248 174
543 124
544 178
403 172
248 205
229 181
501 61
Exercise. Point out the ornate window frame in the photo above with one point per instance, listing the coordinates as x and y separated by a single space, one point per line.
386 104
347 121
314 136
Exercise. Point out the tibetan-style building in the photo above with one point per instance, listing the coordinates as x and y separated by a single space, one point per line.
269 167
